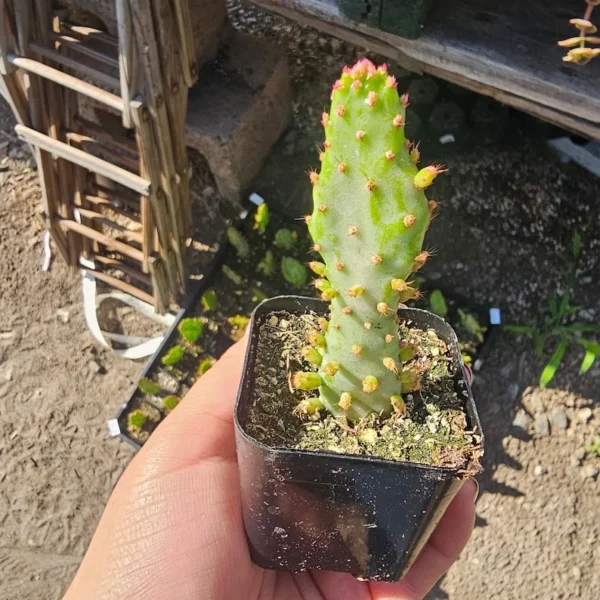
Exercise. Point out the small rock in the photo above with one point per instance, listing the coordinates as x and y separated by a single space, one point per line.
537 404
3 149
584 415
62 314
542 425
576 573
94 367
589 471
538 471
559 418
522 421
577 457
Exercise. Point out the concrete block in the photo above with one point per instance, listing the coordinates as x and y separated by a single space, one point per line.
238 109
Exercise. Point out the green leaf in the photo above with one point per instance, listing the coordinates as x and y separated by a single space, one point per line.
589 345
550 369
190 330
576 245
437 303
285 239
294 271
552 304
173 356
584 327
262 218
538 342
232 275
170 403
239 242
209 300
587 362
149 387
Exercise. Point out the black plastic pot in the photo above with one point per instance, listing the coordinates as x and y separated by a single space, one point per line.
318 510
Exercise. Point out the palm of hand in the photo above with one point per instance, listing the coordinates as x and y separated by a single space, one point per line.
173 529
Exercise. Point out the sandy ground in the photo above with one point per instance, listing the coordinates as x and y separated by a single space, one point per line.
509 210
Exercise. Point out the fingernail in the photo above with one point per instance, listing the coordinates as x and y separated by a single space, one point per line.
476 493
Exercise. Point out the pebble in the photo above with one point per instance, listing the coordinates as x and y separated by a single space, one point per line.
584 415
522 421
62 314
95 367
576 572
559 418
589 471
577 457
538 471
542 425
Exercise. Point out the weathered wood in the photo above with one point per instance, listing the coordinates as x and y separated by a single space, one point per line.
121 266
75 65
159 285
117 139
122 285
101 238
90 33
189 64
12 91
127 234
506 50
87 161
126 58
80 47
102 149
114 200
77 85
6 41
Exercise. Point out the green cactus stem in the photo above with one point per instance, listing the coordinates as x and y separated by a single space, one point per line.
149 387
285 239
369 220
209 300
173 356
190 329
239 242
136 419
294 271
170 403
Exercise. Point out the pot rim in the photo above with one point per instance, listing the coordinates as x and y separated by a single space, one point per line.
258 312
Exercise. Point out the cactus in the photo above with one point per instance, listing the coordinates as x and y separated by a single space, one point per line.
190 329
239 242
262 218
294 271
285 239
170 403
149 387
369 220
173 356
209 300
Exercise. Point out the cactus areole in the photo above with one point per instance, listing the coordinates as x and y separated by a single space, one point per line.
370 217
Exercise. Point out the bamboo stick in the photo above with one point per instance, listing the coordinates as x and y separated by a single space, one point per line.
159 285
123 286
82 87
91 33
70 63
23 20
101 238
13 93
115 202
80 47
125 58
87 161
106 135
117 264
85 141
5 41
131 236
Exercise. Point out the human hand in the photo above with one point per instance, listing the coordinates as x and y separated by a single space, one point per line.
173 528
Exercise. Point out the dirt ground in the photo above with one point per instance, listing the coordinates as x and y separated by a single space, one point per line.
509 210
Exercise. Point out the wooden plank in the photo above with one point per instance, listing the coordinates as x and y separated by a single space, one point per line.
6 41
189 64
117 264
159 285
82 33
508 50
109 136
64 61
87 161
101 238
80 47
77 85
127 234
101 149
126 58
121 285
12 91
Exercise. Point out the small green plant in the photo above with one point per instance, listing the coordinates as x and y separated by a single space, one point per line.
472 325
190 329
285 239
593 449
267 264
173 356
149 387
239 323
136 419
258 295
294 271
580 53
209 300
239 242
234 277
170 403
205 365
262 218
437 303
557 325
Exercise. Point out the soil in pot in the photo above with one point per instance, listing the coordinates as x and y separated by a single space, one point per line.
433 430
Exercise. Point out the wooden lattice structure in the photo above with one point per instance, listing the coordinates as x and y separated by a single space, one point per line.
116 200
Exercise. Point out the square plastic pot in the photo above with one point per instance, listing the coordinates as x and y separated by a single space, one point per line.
356 514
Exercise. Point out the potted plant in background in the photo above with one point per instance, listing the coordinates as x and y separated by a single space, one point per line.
355 422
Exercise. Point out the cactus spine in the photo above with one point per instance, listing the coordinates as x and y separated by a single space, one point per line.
370 217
